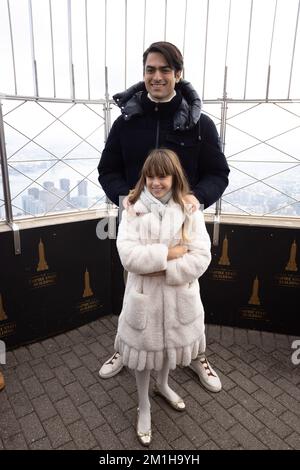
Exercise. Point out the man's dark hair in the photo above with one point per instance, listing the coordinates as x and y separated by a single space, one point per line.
170 52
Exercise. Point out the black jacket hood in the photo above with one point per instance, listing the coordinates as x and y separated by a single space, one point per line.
186 116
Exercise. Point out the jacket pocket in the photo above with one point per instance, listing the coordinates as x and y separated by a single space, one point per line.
189 306
135 312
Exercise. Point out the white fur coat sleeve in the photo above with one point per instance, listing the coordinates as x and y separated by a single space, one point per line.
195 262
135 256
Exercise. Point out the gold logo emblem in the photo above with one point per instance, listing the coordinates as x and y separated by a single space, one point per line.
292 265
254 299
42 266
87 288
3 315
224 260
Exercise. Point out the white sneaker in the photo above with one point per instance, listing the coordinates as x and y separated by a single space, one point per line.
207 376
112 366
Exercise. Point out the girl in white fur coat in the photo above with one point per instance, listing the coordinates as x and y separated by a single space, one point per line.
165 248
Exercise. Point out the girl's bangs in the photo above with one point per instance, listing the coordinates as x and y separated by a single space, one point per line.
159 167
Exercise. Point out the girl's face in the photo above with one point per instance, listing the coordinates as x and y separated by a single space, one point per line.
159 185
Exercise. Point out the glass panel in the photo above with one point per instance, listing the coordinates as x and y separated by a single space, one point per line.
215 58
135 22
61 48
282 48
175 28
115 54
237 48
155 21
195 43
79 51
96 40
259 51
258 199
7 74
22 46
42 46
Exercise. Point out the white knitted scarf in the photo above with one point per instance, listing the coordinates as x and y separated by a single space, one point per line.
157 206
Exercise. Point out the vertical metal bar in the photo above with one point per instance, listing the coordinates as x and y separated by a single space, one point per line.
248 48
52 49
184 29
144 33
205 48
6 188
228 30
12 47
268 83
166 8
270 54
71 66
216 230
87 50
294 48
34 66
105 34
4 169
125 44
107 125
106 107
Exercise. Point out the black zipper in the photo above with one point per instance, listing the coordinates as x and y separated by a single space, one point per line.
157 134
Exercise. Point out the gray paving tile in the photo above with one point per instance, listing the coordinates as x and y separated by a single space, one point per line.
56 431
44 407
91 415
21 404
82 436
32 427
67 411
246 438
16 442
219 435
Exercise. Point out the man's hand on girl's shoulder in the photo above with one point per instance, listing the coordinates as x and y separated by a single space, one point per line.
192 201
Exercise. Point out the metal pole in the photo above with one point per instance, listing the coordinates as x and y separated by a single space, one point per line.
71 65
106 107
205 49
165 27
6 188
12 47
144 32
216 231
294 47
87 49
52 50
125 43
248 49
34 66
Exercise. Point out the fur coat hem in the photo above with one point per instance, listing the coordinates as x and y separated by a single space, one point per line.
141 360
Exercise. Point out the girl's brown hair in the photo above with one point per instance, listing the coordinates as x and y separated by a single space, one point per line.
163 162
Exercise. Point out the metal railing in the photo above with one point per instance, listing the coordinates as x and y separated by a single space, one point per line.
224 101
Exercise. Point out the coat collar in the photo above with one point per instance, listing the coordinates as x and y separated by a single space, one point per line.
186 115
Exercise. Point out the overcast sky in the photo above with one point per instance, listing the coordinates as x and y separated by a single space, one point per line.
193 13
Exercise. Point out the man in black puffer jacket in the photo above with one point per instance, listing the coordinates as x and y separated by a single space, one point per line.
164 111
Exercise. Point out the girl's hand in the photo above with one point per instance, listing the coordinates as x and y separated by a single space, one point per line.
125 203
176 252
193 201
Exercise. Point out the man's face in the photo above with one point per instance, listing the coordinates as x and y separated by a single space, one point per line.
159 77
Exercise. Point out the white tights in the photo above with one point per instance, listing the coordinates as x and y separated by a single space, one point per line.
142 383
